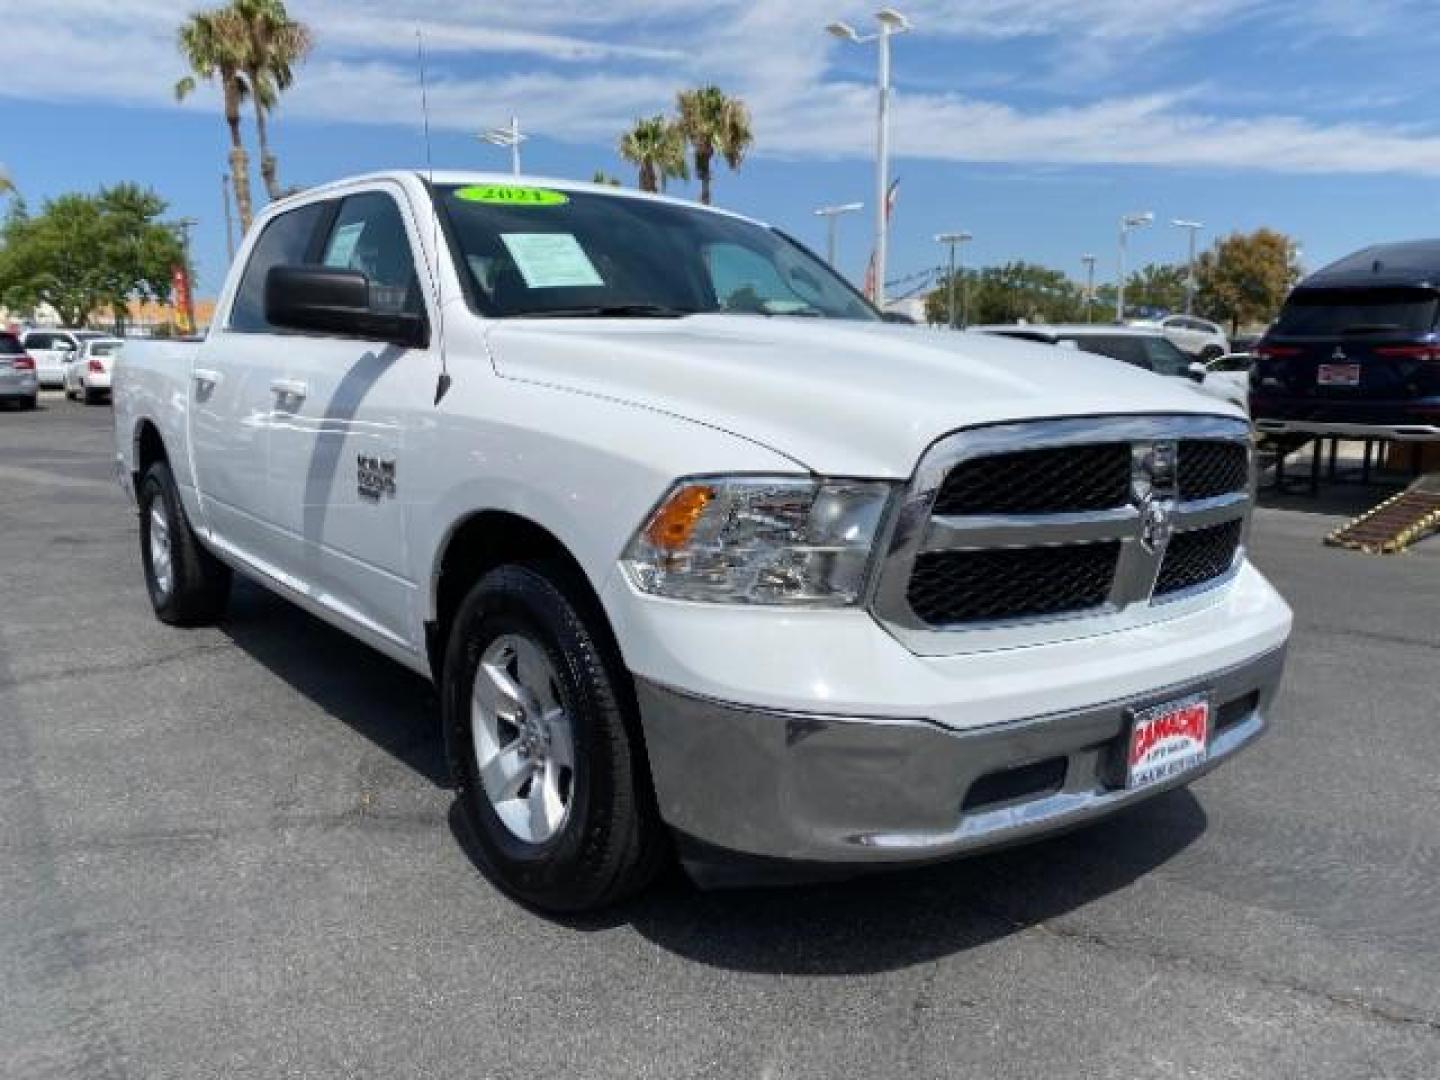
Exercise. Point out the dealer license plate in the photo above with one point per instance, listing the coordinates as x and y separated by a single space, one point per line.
1339 375
1167 740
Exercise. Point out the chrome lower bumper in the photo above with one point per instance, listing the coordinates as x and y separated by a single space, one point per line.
1393 432
862 792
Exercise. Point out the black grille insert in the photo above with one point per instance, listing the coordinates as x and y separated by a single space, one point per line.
1198 556
1052 480
950 587
1211 467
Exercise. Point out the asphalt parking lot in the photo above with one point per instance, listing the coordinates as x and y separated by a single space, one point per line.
230 852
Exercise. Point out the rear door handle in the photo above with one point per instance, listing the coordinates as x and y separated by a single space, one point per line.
290 388
205 376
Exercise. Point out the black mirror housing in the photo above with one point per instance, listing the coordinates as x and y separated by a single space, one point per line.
328 300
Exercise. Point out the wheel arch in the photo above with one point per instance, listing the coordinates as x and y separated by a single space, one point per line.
482 540
149 447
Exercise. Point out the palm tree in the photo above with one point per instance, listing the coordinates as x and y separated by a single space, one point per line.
714 123
655 147
275 43
7 186
215 44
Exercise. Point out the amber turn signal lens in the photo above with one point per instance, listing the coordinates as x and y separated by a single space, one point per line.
670 528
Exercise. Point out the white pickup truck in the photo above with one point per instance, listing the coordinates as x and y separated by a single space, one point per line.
703 556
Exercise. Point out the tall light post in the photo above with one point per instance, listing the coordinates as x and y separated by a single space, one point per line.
891 23
955 239
1192 227
830 213
507 136
1128 222
1089 261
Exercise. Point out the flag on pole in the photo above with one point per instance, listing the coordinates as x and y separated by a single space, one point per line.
870 283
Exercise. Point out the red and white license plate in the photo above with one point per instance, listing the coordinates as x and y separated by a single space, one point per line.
1338 375
1167 740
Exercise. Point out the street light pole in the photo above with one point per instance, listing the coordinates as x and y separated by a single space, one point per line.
507 136
1089 261
954 240
891 23
1192 227
830 213
1128 222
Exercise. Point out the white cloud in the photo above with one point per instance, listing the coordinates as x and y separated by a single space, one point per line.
581 71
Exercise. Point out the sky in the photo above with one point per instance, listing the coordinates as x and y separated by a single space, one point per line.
1033 124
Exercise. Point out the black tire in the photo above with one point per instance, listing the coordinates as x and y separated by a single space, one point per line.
92 397
611 843
199 583
1209 353
31 402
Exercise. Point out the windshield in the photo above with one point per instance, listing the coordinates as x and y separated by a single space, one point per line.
1149 351
10 345
1332 312
539 252
104 348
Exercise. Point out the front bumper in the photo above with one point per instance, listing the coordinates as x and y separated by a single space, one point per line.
741 784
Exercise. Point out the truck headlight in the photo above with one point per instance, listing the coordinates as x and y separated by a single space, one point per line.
761 540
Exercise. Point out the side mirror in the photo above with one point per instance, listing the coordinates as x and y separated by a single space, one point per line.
325 300
1197 371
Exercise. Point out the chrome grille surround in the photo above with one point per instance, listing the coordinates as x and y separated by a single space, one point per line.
1143 527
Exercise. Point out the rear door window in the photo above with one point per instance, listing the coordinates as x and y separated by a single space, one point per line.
1337 312
1123 347
286 241
39 340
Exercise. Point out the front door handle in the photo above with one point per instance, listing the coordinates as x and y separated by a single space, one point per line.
290 388
205 376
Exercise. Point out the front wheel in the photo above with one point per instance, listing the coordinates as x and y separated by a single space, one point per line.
539 725
188 586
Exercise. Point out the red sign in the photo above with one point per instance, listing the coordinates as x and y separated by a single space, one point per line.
180 297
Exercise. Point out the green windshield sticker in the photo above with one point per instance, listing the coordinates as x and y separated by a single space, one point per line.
510 195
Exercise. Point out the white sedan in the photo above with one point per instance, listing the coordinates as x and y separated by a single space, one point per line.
87 374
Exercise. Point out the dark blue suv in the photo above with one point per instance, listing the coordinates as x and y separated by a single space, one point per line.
1355 351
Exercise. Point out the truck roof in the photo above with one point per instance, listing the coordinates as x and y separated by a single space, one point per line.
1411 262
473 176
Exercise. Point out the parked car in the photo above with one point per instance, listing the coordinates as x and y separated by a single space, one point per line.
18 384
697 549
1139 346
1228 377
1199 338
87 375
53 349
1355 350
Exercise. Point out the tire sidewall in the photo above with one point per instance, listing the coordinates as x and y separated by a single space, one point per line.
515 600
157 486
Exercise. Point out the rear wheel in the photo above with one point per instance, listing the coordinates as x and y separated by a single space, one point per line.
188 586
1210 352
538 719
92 397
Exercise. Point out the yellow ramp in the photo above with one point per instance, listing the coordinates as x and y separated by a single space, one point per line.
1396 523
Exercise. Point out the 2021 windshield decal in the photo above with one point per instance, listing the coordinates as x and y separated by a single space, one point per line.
511 195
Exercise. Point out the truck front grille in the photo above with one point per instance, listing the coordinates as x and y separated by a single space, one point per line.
1048 481
1211 467
950 587
1198 556
1027 523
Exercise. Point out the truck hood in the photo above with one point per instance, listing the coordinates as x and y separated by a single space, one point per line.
840 398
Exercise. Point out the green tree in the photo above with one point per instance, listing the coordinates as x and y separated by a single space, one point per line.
275 44
713 123
216 46
7 185
1244 278
657 150
600 176
1003 294
84 253
1159 286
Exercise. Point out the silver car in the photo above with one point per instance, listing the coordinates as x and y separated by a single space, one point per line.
17 373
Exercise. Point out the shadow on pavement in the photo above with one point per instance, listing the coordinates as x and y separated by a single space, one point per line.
391 706
877 923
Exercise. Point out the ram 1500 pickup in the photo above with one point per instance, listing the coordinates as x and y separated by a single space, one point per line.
702 555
